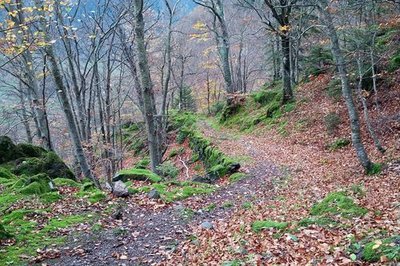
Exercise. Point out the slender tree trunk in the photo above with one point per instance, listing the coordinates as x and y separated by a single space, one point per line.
147 87
25 118
346 89
287 84
371 130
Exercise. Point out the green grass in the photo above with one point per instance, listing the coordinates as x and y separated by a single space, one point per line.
258 226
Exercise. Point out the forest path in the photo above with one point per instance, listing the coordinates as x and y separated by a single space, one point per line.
146 236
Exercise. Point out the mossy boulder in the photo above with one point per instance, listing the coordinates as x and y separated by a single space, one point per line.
50 164
8 150
65 182
36 185
136 174
29 150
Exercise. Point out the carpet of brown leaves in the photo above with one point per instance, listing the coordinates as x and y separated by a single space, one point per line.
313 171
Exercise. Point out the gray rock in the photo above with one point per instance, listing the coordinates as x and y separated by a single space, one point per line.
202 179
120 190
207 225
154 194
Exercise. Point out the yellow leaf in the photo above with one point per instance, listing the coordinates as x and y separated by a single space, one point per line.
378 243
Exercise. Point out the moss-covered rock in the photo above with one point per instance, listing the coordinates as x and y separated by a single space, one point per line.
136 174
36 185
8 150
29 150
50 164
65 182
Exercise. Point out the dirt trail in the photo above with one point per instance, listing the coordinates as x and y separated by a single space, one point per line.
146 237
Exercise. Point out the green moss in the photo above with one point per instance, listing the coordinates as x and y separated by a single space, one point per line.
6 174
96 197
257 226
35 188
236 177
247 205
176 151
210 207
3 233
36 185
65 182
175 190
339 144
227 204
8 199
50 164
143 163
8 150
394 62
388 247
168 170
375 169
29 150
137 174
50 197
57 223
338 203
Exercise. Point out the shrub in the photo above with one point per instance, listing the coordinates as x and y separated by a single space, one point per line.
174 152
217 108
318 61
264 97
168 170
334 89
394 62
332 122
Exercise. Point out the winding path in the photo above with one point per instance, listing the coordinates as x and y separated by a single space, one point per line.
145 237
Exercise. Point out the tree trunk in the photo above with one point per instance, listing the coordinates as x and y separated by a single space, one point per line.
346 89
287 84
147 87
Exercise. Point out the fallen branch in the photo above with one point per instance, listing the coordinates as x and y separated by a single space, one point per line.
187 169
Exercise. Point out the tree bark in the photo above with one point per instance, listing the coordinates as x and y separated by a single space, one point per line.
147 87
346 89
